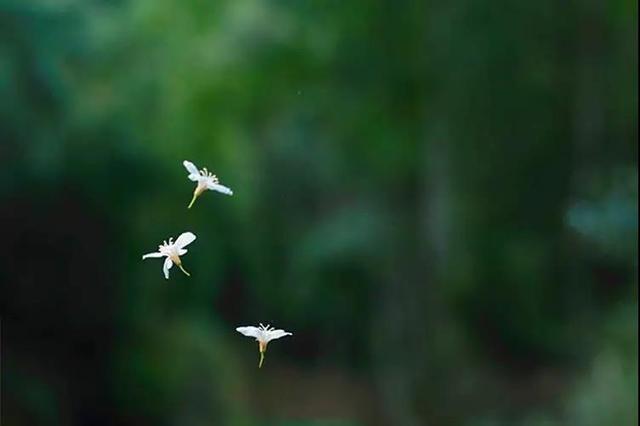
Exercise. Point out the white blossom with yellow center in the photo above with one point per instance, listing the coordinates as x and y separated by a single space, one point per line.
263 335
172 251
206 180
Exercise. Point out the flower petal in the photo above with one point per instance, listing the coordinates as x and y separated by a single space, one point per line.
149 255
276 334
249 331
220 188
194 177
167 265
191 168
184 239
182 251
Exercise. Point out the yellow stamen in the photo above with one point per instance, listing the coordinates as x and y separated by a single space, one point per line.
183 270
263 348
196 192
193 200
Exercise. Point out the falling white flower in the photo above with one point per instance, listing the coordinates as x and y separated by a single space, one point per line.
172 251
206 180
263 335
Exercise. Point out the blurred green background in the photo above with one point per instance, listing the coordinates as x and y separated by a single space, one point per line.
439 199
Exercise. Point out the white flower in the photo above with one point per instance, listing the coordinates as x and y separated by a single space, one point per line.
172 251
263 335
206 180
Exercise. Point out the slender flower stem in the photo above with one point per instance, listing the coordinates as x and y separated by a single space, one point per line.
183 270
193 200
261 359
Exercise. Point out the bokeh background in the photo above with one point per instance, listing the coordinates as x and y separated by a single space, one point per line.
439 199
